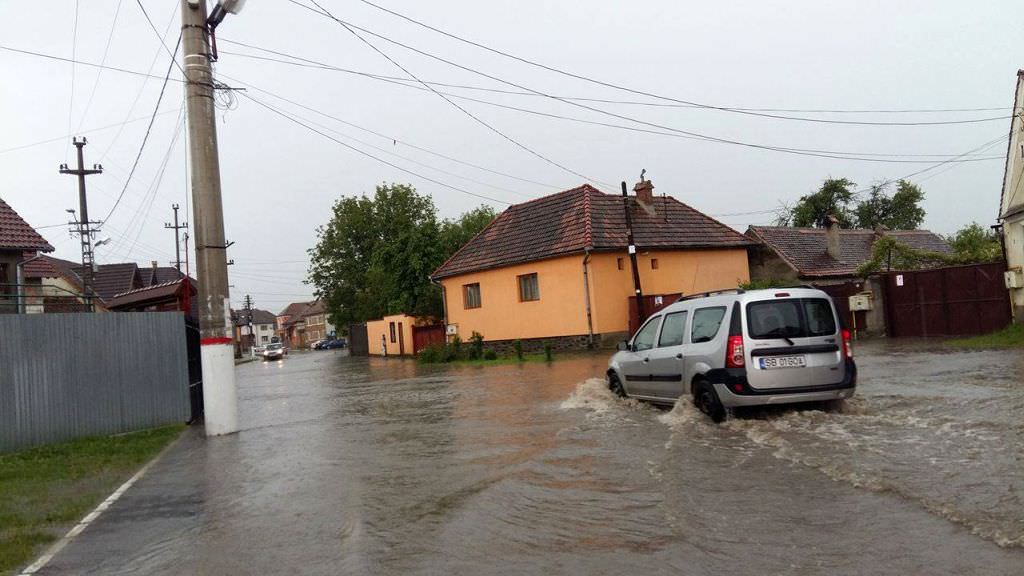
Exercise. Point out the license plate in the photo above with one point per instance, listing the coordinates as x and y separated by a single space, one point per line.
783 362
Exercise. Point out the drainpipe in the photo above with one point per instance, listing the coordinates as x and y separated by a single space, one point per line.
20 279
586 298
444 303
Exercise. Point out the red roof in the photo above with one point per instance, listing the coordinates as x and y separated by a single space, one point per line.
16 234
586 218
294 309
157 292
50 267
805 249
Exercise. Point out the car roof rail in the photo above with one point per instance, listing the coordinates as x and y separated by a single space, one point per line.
711 293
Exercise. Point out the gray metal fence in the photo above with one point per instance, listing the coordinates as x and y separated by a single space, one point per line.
65 376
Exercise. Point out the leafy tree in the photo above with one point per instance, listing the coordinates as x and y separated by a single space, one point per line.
833 198
901 211
974 243
375 255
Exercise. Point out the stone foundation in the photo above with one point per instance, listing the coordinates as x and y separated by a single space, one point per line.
557 343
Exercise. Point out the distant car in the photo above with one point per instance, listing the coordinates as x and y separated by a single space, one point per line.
333 344
317 344
741 348
274 351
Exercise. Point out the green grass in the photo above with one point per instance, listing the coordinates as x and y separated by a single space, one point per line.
1009 337
44 489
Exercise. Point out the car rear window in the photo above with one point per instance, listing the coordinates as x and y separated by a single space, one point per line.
792 318
706 323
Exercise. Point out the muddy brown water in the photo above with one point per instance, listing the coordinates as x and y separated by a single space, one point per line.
372 466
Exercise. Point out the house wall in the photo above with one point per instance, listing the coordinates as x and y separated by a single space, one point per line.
1013 235
765 264
686 271
376 329
560 311
9 275
1013 197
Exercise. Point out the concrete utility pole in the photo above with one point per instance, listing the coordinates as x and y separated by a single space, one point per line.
632 257
177 238
220 396
83 225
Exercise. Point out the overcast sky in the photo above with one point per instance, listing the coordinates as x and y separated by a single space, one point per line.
280 179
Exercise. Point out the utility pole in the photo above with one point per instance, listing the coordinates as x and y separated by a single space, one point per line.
177 239
220 396
632 257
247 306
83 225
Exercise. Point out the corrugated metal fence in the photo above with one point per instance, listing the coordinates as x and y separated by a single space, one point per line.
65 376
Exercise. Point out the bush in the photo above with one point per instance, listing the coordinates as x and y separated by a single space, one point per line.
518 347
490 354
432 354
547 351
476 346
456 348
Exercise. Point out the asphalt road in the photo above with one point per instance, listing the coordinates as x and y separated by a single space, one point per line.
372 466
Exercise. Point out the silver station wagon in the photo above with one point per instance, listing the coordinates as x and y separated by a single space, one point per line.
739 348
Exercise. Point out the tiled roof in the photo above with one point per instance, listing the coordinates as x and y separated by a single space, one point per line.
569 222
160 274
50 267
146 293
109 280
294 309
258 317
805 249
316 307
16 234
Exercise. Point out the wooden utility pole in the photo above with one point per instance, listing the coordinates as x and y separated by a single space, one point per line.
632 257
83 226
220 396
177 238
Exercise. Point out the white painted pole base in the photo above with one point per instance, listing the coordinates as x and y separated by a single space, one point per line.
220 397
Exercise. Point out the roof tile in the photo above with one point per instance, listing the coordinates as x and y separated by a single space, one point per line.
16 234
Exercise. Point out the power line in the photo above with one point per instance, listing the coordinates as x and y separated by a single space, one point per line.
159 36
750 112
103 61
149 128
460 108
80 132
83 63
74 49
367 154
845 155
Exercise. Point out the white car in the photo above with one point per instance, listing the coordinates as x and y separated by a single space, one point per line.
273 351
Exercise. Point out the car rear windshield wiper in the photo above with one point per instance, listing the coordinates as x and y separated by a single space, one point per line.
780 333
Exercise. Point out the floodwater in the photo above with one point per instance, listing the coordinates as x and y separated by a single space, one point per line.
373 466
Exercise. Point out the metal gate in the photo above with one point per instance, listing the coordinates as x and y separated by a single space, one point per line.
358 345
195 370
953 301
423 336
652 303
840 294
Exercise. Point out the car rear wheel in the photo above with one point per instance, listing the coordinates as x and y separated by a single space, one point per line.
616 386
706 400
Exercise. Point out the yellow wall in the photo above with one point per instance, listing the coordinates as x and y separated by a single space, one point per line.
377 328
501 316
561 310
686 271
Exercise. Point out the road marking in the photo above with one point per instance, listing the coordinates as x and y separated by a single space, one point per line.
92 516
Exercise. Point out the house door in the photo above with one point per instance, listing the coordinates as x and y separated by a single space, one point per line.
401 340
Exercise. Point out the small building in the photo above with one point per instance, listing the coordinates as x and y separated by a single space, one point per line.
1011 205
253 328
291 327
18 241
557 270
392 335
317 327
828 258
177 295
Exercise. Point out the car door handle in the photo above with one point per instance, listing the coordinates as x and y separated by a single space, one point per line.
647 360
679 356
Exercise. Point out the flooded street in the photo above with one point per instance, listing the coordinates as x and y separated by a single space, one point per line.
371 466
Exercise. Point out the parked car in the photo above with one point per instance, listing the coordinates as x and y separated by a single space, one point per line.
739 348
274 351
317 344
333 344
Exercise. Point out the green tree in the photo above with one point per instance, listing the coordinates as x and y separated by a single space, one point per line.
833 198
901 211
974 243
375 255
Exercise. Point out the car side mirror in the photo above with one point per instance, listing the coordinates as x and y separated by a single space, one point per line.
623 346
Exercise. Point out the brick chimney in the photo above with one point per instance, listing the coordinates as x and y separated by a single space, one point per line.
832 237
154 263
644 190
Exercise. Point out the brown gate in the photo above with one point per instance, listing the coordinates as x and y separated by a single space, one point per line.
652 304
953 301
840 294
423 336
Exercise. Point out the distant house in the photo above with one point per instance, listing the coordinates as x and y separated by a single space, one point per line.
57 285
18 241
291 327
829 258
315 323
253 328
178 295
557 269
1011 206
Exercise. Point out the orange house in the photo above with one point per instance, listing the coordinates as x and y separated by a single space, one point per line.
558 268
391 335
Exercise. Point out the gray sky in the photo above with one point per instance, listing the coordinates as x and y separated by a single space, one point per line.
280 179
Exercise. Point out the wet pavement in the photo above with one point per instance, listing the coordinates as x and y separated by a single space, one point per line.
372 466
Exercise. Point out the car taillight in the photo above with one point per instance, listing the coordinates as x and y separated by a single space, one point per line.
734 352
847 344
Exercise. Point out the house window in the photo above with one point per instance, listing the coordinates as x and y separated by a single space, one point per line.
471 295
529 289
654 263
618 263
392 332
264 339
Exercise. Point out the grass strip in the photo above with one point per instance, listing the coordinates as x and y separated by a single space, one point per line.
1010 337
44 489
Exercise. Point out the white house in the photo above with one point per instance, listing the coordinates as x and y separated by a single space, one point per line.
1011 206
